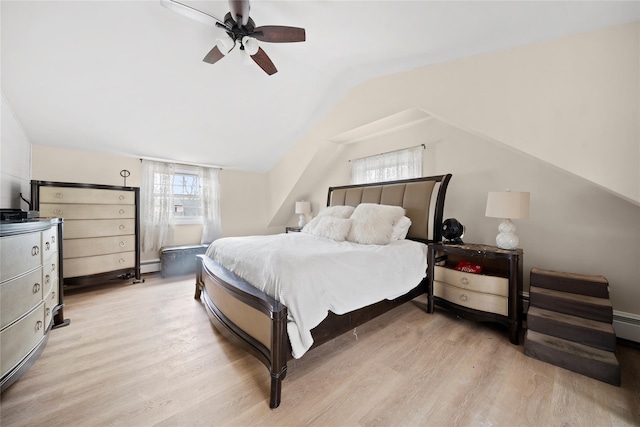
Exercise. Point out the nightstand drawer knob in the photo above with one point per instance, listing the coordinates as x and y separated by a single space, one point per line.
463 297
464 281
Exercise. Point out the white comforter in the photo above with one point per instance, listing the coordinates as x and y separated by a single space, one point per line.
312 275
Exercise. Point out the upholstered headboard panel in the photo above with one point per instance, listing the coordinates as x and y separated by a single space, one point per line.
422 199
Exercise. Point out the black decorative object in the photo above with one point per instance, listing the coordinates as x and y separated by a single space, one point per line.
452 231
125 174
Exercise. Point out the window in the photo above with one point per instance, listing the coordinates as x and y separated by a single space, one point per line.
176 194
391 166
187 197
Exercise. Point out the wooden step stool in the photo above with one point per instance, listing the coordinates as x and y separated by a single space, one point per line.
569 324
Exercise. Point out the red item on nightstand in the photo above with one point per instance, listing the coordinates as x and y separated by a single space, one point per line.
468 267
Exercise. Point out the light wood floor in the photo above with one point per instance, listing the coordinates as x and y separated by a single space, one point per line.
146 354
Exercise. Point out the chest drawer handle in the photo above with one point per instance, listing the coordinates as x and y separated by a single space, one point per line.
57 211
121 197
38 325
53 296
121 211
47 312
121 260
58 195
53 240
53 267
463 297
121 227
47 279
35 251
47 246
464 281
122 244
36 288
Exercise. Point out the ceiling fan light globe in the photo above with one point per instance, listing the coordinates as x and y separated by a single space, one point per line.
224 46
250 45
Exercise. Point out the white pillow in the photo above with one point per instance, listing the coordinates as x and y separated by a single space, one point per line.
330 227
400 229
372 224
338 211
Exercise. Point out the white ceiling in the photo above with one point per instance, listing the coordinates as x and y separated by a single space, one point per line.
127 77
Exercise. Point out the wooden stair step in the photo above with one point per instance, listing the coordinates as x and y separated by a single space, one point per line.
588 307
577 329
595 286
595 363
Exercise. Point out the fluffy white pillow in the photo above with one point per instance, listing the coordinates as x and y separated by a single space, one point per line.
372 224
343 212
330 227
338 211
400 229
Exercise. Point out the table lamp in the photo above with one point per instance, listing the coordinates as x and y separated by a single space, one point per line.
507 205
303 208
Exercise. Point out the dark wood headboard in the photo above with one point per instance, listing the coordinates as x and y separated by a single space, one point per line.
422 199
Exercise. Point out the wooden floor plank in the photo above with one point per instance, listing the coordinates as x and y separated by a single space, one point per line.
146 354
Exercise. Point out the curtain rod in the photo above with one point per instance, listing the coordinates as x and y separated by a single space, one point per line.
156 159
392 151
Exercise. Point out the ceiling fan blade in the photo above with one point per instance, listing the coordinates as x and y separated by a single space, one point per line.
214 55
279 34
189 12
262 59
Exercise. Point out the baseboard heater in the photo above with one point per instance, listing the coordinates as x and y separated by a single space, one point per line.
150 266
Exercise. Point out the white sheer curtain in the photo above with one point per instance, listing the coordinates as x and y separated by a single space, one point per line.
211 226
400 164
156 210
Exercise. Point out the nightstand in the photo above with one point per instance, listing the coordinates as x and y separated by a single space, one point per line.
292 229
492 295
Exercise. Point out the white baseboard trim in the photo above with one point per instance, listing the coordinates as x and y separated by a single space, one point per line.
150 266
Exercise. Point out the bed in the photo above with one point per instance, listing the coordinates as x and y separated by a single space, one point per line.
261 324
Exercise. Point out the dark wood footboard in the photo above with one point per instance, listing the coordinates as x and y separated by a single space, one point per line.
258 323
247 316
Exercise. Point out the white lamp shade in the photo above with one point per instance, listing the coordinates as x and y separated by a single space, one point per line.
250 45
224 45
303 207
508 204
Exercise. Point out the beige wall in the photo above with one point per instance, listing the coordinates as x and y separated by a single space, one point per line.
559 119
15 161
243 195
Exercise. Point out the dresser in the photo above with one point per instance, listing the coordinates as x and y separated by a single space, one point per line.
31 298
493 294
101 229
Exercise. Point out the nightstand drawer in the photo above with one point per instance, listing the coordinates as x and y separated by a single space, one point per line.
472 299
475 282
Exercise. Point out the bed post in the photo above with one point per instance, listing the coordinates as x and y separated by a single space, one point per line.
199 282
279 354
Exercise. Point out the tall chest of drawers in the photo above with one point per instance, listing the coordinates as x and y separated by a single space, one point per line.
101 229
31 299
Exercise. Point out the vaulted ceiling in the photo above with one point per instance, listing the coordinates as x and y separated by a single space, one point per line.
127 77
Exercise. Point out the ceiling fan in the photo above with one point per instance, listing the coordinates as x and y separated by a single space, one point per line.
242 31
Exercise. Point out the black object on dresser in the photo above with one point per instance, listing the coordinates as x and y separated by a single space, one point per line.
101 229
491 295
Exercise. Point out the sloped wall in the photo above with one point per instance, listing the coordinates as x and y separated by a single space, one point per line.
559 119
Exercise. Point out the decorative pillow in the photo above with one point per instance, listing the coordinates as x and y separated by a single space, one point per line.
338 211
372 224
329 227
400 229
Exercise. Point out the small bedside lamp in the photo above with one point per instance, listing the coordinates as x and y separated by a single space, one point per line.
507 205
303 208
